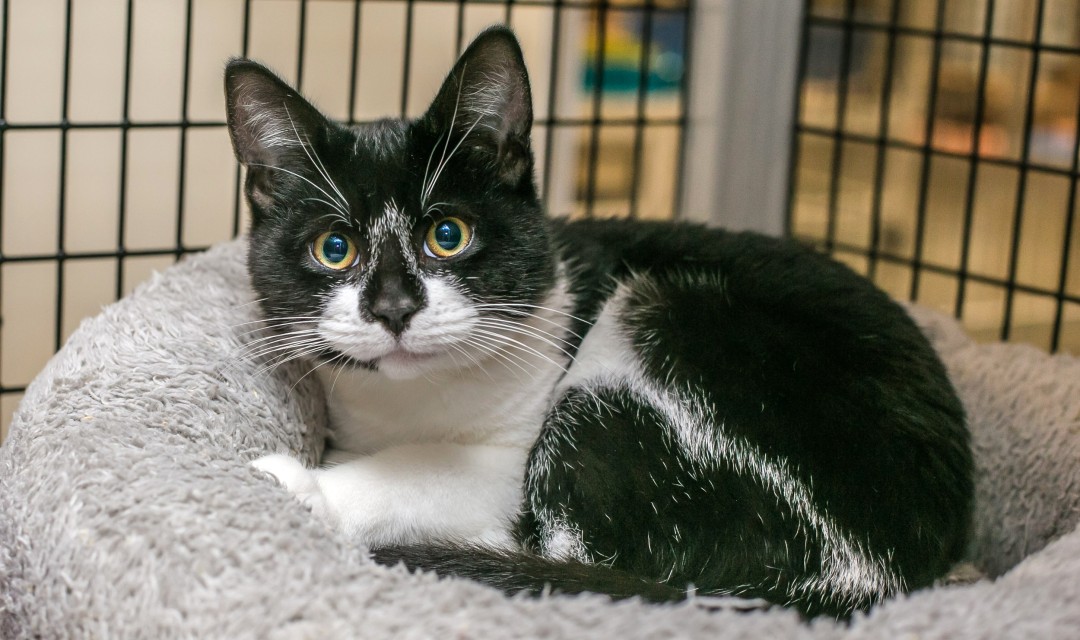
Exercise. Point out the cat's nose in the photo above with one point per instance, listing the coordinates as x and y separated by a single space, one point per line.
394 310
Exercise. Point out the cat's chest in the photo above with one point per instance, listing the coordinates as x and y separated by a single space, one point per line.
369 413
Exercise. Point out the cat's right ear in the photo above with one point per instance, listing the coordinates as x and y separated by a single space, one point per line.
270 124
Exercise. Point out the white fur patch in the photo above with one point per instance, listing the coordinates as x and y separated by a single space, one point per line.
435 448
342 326
425 492
391 225
560 540
300 482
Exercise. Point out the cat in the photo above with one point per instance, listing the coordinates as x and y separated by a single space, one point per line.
634 408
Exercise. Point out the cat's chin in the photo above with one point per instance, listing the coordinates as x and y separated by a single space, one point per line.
406 365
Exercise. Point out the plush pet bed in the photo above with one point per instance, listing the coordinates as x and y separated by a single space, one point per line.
128 508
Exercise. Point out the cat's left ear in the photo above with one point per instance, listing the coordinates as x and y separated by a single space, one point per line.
486 99
271 126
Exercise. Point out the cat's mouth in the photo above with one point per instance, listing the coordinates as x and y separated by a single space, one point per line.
399 362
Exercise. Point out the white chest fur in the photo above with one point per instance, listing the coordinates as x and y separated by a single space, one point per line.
439 455
492 405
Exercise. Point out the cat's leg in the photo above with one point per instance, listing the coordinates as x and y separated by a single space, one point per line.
299 481
608 483
413 493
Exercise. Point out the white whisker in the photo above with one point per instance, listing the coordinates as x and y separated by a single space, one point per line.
293 173
439 170
511 306
494 349
313 369
453 119
514 330
521 346
304 145
423 185
526 328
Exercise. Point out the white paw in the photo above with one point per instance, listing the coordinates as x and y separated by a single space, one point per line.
299 481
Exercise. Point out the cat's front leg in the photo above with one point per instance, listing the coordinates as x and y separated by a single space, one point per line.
299 481
412 493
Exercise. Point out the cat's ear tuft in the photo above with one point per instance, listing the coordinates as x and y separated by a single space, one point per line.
487 97
270 124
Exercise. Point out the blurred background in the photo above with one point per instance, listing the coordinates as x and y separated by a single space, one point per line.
936 151
930 144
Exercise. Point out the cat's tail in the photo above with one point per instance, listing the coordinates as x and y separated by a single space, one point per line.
516 572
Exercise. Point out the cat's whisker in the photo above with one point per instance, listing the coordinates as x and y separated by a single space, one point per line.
453 119
279 325
304 145
257 351
274 363
512 306
254 351
521 332
276 339
336 215
269 322
259 333
521 350
423 185
326 175
313 370
521 346
278 329
296 355
251 302
339 369
528 329
513 315
344 213
468 356
498 356
292 346
495 350
434 207
439 170
272 320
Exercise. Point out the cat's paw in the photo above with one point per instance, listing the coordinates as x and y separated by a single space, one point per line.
299 481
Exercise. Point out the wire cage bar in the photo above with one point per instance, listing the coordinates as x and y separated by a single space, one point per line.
115 161
936 150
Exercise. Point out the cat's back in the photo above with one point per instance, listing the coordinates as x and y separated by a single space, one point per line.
775 297
794 371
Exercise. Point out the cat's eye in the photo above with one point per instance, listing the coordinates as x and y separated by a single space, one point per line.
447 238
334 250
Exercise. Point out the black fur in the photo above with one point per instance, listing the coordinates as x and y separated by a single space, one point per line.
796 357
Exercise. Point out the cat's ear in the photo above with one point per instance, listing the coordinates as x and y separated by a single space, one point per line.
486 101
270 124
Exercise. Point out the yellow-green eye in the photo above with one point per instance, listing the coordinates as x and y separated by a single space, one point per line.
334 250
447 238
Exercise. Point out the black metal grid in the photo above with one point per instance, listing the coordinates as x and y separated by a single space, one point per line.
960 53
592 124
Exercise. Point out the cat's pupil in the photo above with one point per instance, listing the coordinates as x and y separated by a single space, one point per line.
335 248
448 235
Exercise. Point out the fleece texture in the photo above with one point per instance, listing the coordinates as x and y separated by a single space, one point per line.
128 507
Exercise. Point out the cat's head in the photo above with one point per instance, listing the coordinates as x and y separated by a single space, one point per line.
398 246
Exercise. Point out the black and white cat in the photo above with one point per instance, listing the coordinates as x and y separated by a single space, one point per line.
625 407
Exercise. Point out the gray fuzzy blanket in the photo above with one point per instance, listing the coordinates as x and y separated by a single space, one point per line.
128 508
